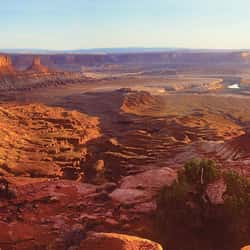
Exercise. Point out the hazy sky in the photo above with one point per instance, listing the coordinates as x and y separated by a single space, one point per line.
74 24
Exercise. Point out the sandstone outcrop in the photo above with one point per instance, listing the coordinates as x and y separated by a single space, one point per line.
64 212
112 241
138 102
37 66
5 61
141 189
172 57
246 248
37 77
40 141
5 64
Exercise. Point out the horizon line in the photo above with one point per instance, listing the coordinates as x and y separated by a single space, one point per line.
115 49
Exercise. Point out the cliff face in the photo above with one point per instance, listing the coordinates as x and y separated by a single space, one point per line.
36 75
190 58
5 61
5 64
37 66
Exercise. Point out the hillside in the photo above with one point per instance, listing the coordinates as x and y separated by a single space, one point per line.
39 141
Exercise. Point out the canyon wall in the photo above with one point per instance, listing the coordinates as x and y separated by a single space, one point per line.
37 66
179 58
5 64
5 61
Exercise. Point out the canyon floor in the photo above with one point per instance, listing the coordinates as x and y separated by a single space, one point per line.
90 152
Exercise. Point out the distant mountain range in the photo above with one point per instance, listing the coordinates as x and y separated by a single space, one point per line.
109 50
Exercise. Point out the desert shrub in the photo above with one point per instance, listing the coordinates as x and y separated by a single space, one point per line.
237 196
183 208
172 199
237 185
237 206
192 181
201 172
185 212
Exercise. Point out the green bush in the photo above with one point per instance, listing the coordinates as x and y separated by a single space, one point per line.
185 212
237 196
201 172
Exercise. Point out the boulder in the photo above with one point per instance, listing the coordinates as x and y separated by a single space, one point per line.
246 248
112 241
215 192
143 187
152 180
129 196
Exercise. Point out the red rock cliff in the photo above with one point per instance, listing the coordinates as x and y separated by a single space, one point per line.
5 64
37 66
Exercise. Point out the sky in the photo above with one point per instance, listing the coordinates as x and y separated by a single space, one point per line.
83 24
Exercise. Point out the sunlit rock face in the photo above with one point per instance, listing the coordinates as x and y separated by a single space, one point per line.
37 66
5 64
246 248
49 142
5 61
111 241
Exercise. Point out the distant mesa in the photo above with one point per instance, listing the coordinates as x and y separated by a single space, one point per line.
37 66
7 68
6 65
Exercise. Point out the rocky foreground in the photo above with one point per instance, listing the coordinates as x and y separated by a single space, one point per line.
65 212
75 215
103 241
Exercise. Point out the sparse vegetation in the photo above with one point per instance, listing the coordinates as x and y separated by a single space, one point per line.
199 172
184 210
